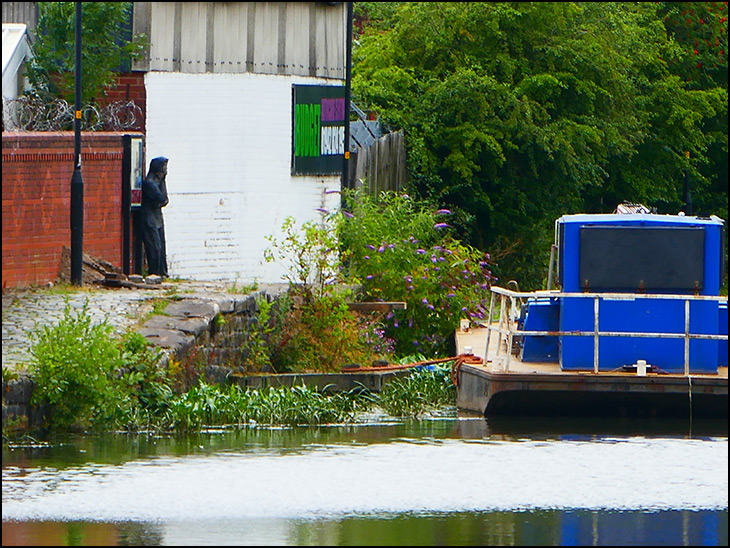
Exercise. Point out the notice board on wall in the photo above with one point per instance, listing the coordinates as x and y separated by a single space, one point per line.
318 129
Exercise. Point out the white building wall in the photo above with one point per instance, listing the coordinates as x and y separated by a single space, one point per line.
229 141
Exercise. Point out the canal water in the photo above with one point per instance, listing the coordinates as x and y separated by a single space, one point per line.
447 480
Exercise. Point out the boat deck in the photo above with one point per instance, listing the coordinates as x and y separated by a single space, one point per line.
476 339
502 385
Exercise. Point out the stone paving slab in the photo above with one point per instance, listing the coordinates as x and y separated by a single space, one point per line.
174 340
24 311
191 326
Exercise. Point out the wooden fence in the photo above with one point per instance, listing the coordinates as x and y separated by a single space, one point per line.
382 165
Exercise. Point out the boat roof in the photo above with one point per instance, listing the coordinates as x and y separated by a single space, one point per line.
640 218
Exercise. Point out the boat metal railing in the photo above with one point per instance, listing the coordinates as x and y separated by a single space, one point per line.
512 301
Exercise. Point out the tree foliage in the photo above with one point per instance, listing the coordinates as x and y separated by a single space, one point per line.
517 113
104 48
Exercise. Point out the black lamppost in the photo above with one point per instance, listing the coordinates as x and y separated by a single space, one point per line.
77 182
348 77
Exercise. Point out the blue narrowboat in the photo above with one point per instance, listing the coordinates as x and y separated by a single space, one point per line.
634 325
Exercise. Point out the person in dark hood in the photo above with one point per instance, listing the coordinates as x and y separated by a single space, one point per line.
154 198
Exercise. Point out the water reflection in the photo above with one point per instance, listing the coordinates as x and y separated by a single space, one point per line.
599 426
524 528
140 534
446 481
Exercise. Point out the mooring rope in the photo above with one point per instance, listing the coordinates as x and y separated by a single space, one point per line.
461 359
394 367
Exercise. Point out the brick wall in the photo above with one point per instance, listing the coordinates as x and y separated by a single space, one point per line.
129 87
36 202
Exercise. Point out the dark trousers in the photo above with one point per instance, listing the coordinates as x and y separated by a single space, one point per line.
154 244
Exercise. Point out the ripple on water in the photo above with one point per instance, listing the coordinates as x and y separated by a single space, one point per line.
416 475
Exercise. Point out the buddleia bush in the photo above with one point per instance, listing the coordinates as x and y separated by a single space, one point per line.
401 249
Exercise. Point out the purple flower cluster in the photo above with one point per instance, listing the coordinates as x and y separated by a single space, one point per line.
440 279
377 340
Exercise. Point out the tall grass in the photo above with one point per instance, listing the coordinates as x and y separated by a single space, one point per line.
208 405
424 390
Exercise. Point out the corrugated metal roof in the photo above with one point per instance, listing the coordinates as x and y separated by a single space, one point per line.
21 12
287 38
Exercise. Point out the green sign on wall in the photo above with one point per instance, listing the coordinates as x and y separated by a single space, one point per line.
318 129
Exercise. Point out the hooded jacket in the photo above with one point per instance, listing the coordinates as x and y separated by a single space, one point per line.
154 194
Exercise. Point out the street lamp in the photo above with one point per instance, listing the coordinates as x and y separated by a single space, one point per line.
348 93
77 182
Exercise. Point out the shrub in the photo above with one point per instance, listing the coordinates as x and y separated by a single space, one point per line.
318 332
322 335
147 384
91 379
399 249
312 255
73 365
263 336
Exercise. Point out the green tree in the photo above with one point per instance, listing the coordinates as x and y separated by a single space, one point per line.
682 85
516 113
700 31
105 48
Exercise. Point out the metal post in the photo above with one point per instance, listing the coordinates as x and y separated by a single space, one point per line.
126 200
489 327
687 194
348 94
551 268
137 244
502 308
595 335
509 333
77 182
686 337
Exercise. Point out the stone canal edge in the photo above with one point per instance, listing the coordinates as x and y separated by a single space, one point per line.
202 324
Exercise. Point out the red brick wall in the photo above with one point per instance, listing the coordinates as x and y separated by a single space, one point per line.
130 87
36 202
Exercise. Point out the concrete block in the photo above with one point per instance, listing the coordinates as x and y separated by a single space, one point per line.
188 308
194 326
174 340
